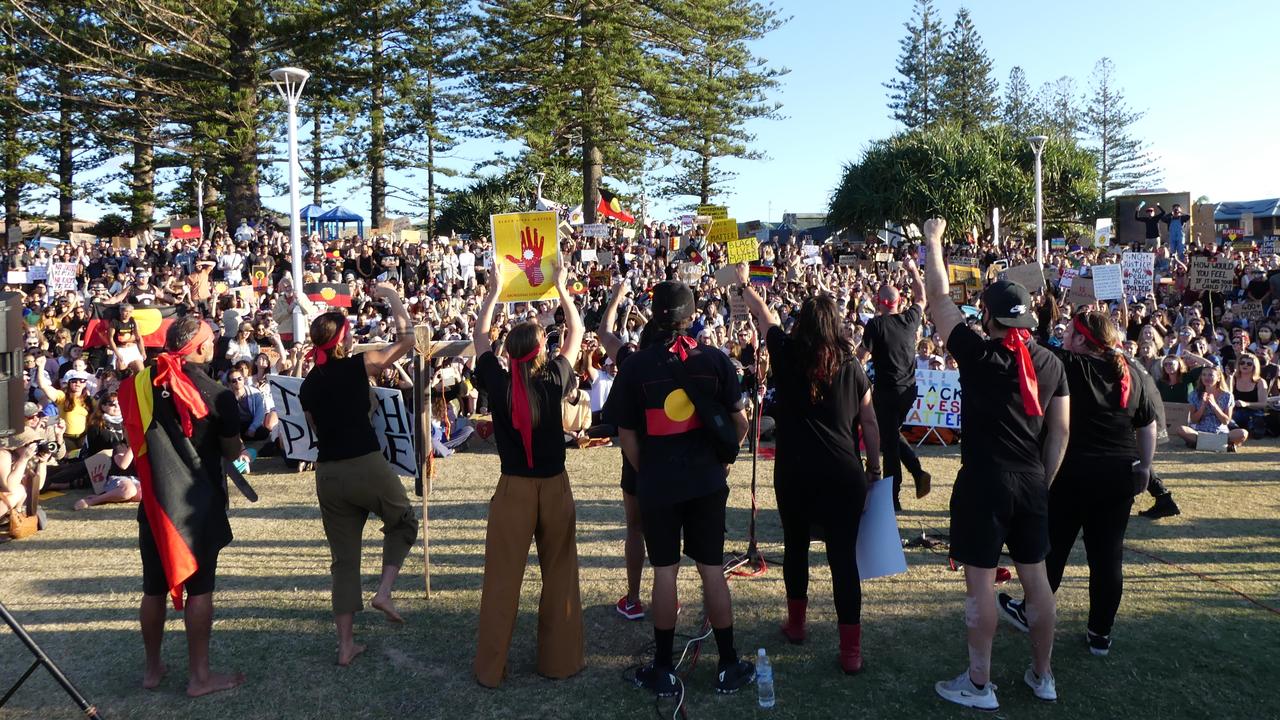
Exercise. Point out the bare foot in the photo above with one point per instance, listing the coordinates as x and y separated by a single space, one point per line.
216 682
387 607
346 655
81 504
151 677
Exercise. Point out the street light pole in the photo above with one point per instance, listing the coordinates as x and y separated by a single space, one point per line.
290 81
199 175
1037 146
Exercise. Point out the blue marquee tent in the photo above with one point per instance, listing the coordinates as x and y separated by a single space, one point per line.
338 218
310 215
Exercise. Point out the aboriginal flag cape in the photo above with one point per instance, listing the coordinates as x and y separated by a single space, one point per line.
152 321
178 500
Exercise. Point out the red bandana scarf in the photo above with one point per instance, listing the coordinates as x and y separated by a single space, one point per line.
682 346
169 373
1015 341
1125 382
521 414
321 353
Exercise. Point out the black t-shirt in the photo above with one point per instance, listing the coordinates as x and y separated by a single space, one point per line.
678 461
997 433
336 395
1100 428
817 441
892 342
549 387
120 327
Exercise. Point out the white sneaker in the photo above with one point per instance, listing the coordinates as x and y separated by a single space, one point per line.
1042 685
962 691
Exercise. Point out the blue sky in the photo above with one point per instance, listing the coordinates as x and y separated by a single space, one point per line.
1203 73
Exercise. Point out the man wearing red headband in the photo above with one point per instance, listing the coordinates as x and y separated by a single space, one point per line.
891 337
1015 393
181 424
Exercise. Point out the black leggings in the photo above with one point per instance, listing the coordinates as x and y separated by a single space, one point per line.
1096 500
836 504
892 406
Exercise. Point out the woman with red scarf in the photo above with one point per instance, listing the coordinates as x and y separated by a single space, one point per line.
353 478
533 499
1108 463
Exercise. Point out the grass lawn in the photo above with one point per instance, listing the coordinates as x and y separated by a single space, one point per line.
1186 645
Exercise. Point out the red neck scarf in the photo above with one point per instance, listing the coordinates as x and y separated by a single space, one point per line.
1015 341
321 352
1125 382
682 346
170 374
521 414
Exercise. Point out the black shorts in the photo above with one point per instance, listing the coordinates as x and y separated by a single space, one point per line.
629 476
700 521
154 581
991 509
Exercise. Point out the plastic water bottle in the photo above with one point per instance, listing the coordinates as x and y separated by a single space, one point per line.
764 679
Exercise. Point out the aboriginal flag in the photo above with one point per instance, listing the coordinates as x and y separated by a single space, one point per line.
185 229
577 288
153 323
332 294
677 415
610 206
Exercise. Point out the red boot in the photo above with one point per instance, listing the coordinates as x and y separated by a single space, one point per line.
793 628
851 648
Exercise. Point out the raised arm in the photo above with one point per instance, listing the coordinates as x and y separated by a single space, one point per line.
917 283
571 343
605 330
942 312
480 338
765 318
376 361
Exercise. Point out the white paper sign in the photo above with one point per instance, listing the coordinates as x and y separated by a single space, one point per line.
809 250
392 423
1108 282
1139 273
879 545
62 277
937 400
1102 233
587 255
18 277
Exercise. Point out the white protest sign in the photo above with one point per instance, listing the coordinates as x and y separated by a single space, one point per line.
391 422
1139 273
809 250
62 277
1108 282
587 255
597 230
1268 246
18 277
937 400
98 466
1102 232
879 547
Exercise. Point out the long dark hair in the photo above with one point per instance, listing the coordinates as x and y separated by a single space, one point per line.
523 339
821 346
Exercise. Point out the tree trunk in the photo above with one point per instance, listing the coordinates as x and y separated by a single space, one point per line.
66 163
317 154
12 173
592 158
377 131
704 175
242 199
142 186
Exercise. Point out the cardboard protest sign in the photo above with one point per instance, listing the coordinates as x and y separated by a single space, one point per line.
1249 309
1209 275
938 400
604 257
526 253
1139 273
727 276
743 250
410 236
1081 291
738 307
1029 276
1108 282
62 277
392 423
723 230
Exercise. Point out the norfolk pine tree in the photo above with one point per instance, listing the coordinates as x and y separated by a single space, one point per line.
968 92
1122 159
914 97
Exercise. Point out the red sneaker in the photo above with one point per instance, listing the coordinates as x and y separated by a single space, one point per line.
630 610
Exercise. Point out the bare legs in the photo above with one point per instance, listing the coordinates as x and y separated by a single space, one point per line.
198 618
633 549
348 648
980 617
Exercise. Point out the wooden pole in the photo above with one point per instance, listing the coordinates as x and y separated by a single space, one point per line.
426 465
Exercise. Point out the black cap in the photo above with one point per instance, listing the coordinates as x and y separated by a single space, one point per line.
1010 304
672 302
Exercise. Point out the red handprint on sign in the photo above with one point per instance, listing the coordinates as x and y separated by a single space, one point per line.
530 260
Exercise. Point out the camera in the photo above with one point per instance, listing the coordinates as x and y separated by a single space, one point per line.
46 447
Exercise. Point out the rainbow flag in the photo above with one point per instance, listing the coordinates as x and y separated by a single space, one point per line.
761 274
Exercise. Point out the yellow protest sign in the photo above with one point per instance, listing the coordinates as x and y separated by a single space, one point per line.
743 250
715 212
966 274
723 230
526 251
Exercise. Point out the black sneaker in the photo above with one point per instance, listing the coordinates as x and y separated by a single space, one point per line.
1164 507
659 681
735 677
1099 645
1014 611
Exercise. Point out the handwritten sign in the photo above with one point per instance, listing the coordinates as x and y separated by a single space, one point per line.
38 273
715 212
1213 276
1139 273
743 250
1250 309
1081 292
723 230
1108 282
588 255
1268 246
62 277
391 422
938 400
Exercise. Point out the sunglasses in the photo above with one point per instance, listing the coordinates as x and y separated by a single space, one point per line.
235 379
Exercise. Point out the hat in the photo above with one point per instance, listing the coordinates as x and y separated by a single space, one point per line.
672 301
76 375
26 437
1010 304
30 409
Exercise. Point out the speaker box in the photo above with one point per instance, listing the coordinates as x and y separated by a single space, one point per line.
13 392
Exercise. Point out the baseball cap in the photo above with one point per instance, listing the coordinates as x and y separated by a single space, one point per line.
672 301
76 375
30 409
1009 304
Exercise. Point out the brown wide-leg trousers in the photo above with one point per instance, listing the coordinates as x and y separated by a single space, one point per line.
540 509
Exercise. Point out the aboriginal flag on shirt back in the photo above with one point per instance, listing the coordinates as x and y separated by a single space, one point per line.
153 323
677 415
332 294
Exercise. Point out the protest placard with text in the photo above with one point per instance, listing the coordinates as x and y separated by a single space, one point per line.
1108 282
723 230
526 253
743 250
1029 276
1139 273
1213 276
391 422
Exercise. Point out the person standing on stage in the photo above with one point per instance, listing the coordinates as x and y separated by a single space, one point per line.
353 478
1012 443
823 408
681 481
533 500
1108 463
181 425
891 338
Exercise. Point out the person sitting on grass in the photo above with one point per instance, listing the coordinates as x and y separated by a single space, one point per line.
122 485
1211 407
